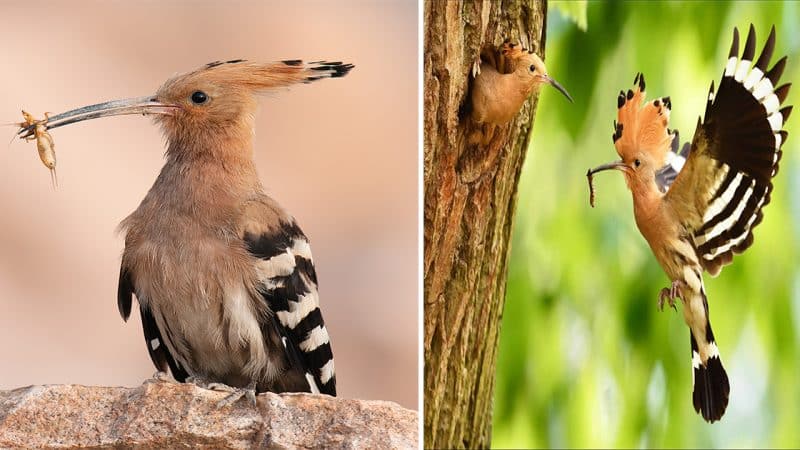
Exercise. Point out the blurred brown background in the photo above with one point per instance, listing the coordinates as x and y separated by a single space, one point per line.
341 155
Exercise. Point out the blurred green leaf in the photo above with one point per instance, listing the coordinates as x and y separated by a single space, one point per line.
574 10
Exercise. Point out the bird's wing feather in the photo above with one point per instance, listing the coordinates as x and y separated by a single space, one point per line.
674 163
727 178
159 353
289 287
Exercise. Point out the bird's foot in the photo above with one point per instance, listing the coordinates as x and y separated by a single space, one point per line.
161 377
668 295
199 381
234 393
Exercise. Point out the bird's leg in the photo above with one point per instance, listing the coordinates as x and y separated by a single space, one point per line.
670 294
235 393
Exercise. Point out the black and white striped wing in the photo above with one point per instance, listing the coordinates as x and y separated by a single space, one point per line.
289 286
734 155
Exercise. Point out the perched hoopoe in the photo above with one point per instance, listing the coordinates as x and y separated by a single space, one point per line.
504 81
697 208
224 277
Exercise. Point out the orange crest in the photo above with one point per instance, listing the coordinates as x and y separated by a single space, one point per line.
642 127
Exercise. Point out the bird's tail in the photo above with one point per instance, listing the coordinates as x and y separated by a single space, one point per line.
711 387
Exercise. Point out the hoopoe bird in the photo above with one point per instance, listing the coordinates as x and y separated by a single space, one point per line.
224 277
697 207
504 79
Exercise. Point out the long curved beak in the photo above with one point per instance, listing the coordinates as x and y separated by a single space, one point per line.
139 105
617 165
558 86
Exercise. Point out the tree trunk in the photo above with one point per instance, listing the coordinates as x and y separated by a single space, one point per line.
470 198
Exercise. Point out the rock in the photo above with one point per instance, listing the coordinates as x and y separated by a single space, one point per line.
161 414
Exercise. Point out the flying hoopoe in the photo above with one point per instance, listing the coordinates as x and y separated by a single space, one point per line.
224 277
697 207
504 80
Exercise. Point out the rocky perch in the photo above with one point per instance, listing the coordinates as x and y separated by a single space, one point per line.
171 415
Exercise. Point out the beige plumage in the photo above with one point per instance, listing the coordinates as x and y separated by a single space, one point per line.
224 277
698 207
505 80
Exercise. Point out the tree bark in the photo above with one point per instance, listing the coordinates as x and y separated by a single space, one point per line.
470 198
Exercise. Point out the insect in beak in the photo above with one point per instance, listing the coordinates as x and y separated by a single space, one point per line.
140 105
616 165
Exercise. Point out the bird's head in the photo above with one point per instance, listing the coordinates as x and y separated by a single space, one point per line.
531 69
641 137
218 97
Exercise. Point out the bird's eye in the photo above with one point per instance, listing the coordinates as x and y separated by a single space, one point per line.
533 68
199 97
637 163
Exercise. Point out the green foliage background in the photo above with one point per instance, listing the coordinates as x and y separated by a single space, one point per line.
586 359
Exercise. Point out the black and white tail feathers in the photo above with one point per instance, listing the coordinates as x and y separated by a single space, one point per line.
711 386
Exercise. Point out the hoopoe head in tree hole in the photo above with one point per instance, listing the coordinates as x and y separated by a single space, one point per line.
505 79
698 206
224 277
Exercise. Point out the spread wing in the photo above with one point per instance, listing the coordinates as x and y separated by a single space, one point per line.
289 286
727 178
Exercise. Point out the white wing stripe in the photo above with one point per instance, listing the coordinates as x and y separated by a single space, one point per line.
316 337
298 310
741 70
729 221
775 121
677 162
763 88
771 103
301 248
727 246
278 266
753 78
312 384
730 68
722 201
326 372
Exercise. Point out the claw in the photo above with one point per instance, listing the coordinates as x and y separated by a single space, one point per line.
235 393
161 377
668 295
198 381
476 67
